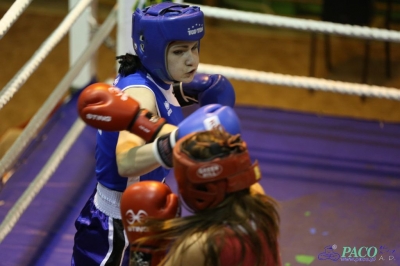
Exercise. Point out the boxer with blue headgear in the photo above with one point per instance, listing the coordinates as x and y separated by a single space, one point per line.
155 27
162 78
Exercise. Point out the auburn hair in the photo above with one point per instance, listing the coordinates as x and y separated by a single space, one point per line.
250 217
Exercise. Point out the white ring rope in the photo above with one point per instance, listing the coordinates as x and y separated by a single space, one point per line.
302 82
26 71
361 32
12 15
40 180
39 118
305 25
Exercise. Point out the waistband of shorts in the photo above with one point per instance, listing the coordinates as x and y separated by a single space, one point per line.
108 201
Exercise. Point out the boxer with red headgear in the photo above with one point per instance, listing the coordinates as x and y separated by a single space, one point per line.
205 184
232 223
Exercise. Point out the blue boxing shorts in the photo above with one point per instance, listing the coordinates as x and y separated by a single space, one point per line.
100 239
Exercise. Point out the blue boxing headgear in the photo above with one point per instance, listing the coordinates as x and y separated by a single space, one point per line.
154 27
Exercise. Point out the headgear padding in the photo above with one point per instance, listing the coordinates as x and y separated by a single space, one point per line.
205 183
154 27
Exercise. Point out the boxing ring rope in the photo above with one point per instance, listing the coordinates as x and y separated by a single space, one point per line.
234 73
302 82
361 32
12 15
40 180
304 25
26 71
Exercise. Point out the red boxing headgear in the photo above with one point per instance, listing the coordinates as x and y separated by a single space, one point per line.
205 184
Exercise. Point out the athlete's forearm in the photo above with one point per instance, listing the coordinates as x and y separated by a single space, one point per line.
134 157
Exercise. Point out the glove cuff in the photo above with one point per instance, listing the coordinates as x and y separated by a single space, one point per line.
146 125
162 149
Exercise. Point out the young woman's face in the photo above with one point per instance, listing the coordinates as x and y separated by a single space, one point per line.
182 60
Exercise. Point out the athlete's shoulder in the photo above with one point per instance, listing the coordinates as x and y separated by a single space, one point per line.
135 79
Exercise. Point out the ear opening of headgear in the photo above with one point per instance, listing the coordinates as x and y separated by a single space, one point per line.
154 27
205 183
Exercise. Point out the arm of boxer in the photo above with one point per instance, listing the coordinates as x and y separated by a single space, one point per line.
144 96
189 252
134 157
205 89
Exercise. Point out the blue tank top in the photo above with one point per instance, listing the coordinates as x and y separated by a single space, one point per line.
167 107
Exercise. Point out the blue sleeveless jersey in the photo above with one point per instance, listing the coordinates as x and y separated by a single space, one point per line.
167 107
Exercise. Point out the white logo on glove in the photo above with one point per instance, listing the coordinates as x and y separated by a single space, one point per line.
104 118
211 122
132 218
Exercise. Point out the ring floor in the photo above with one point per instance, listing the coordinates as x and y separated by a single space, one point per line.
337 181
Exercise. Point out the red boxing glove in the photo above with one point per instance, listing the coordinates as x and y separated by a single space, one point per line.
106 107
138 202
